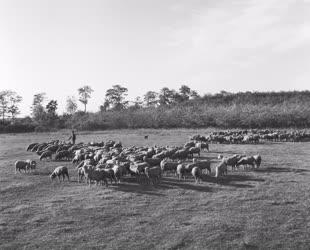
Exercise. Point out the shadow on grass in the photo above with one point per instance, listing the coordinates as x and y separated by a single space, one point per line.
280 169
130 184
40 173
231 180
225 152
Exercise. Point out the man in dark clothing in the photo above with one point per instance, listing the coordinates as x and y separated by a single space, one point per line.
73 137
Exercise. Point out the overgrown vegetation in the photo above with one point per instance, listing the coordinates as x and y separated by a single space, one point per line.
169 109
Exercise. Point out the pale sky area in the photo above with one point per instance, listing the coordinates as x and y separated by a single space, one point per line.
57 46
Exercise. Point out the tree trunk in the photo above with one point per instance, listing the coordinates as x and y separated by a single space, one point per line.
84 108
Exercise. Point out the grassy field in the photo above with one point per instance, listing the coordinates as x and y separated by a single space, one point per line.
264 209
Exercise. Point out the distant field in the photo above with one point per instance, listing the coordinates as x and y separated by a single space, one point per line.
264 209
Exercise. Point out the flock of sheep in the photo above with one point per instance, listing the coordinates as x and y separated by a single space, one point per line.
254 136
100 162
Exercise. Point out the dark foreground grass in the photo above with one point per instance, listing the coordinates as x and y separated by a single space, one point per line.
264 209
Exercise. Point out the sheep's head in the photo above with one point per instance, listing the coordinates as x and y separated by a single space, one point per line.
52 176
33 164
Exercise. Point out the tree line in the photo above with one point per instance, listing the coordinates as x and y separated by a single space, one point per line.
167 108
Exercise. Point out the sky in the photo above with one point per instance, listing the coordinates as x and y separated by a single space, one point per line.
57 46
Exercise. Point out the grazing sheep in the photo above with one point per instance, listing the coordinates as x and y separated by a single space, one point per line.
257 160
232 160
31 146
153 174
24 165
64 154
60 171
221 169
189 144
46 154
196 172
248 160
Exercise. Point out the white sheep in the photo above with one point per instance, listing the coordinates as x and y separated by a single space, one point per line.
221 169
60 171
196 172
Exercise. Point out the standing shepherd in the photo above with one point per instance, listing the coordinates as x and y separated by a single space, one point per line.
72 137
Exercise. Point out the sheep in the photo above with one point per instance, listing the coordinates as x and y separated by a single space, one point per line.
52 148
24 165
31 146
196 172
189 144
97 175
109 173
180 154
153 174
152 161
257 160
60 171
168 166
137 169
118 172
181 171
248 160
46 154
81 174
194 150
221 169
63 154
31 165
202 164
204 145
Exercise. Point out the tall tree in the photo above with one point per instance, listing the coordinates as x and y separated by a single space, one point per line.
166 96
4 101
37 108
71 105
115 97
13 108
185 92
85 94
51 107
194 94
150 99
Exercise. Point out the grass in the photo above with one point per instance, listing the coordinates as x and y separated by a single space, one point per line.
263 209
